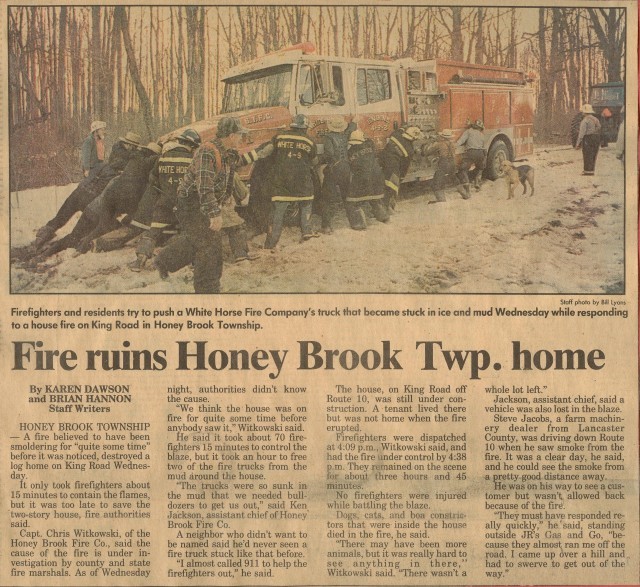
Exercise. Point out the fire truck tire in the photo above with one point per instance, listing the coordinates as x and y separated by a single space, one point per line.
498 153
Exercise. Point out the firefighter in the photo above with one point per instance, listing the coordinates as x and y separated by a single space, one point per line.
474 155
291 179
92 152
207 194
89 189
589 139
159 200
335 185
396 158
367 182
445 150
120 196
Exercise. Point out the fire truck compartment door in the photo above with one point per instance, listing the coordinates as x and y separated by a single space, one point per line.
423 99
497 109
465 105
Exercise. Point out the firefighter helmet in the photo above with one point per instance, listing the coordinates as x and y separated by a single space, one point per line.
190 137
414 133
337 124
300 121
447 133
356 137
153 147
131 138
587 109
479 124
228 125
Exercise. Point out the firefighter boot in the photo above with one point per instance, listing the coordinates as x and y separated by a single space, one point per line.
144 252
358 220
477 182
440 197
463 190
43 236
162 270
139 263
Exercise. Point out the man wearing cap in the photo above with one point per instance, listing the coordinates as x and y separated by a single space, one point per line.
367 182
589 139
92 152
89 189
206 200
291 180
445 150
396 158
335 185
472 139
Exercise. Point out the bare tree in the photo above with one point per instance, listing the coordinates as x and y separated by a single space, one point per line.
479 54
121 15
611 29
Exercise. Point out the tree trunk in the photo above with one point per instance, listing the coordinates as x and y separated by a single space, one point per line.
479 56
61 71
544 98
145 104
457 42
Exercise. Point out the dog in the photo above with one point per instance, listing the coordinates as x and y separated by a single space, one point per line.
514 175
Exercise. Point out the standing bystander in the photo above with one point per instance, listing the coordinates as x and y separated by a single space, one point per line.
589 139
92 154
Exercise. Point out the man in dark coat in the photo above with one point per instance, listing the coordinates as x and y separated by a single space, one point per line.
290 179
589 139
337 175
89 188
119 197
472 139
367 182
446 168
396 158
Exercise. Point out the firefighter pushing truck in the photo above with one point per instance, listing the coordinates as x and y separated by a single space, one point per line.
379 96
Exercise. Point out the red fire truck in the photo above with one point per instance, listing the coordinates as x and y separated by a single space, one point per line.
379 95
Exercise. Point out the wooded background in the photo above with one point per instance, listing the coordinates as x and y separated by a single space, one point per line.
151 69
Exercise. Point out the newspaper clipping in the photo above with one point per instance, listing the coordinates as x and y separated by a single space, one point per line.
319 294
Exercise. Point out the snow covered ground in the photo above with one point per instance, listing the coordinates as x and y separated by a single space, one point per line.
567 238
